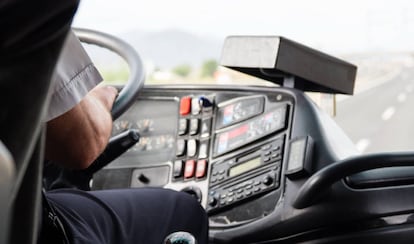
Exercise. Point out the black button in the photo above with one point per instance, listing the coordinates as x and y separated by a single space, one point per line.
248 187
267 180
266 147
248 193
212 201
256 189
239 196
275 155
206 105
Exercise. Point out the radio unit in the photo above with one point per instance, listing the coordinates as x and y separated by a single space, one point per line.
245 176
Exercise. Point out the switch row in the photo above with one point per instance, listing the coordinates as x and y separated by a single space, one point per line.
192 127
191 147
195 105
190 169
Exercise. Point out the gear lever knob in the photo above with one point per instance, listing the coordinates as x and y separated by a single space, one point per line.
180 237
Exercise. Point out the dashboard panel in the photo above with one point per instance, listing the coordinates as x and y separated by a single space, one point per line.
224 147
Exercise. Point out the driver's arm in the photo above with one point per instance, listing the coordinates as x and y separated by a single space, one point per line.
76 138
79 120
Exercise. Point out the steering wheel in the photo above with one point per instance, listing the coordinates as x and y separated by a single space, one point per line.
137 75
58 177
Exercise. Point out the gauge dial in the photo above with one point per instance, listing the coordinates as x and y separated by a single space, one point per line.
145 125
120 126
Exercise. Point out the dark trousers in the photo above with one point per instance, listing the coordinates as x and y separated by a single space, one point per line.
128 216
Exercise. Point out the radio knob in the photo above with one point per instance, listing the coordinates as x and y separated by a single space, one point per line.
212 201
267 180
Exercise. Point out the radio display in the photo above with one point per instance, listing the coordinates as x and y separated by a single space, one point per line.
251 130
239 110
244 167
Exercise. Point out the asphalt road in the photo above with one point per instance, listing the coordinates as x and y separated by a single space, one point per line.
382 118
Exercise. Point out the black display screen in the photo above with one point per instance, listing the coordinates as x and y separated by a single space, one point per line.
238 110
251 130
244 167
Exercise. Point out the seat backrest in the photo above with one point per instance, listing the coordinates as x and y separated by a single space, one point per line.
24 86
6 182
29 49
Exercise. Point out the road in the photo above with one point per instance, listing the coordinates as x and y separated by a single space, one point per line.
382 118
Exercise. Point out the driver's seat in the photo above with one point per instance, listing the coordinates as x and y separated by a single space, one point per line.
6 180
29 48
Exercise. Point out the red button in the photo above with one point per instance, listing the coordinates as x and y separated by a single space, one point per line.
189 169
185 105
201 168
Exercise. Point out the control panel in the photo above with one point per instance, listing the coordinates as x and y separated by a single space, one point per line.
193 138
225 148
245 176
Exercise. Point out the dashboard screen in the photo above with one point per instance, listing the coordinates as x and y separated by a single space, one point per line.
152 118
244 167
251 130
238 110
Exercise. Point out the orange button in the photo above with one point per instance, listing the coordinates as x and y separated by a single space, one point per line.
185 105
201 168
189 169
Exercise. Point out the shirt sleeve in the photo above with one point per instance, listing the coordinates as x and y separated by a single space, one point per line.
74 77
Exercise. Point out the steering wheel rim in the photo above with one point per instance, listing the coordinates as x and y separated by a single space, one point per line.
136 78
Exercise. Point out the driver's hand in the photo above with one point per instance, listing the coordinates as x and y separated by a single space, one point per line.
76 138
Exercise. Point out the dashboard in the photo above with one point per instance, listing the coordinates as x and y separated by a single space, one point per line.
226 148
245 154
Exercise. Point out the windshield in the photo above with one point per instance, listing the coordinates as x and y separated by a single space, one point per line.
180 42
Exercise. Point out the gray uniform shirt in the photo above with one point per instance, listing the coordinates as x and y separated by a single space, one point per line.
74 77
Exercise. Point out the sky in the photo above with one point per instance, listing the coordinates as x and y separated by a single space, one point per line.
336 26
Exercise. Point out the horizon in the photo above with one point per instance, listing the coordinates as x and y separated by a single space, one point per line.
334 27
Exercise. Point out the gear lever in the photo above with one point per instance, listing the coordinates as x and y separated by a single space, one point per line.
117 145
